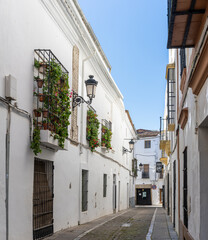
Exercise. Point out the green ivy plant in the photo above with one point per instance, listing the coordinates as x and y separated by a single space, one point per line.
56 100
35 144
106 137
92 130
134 167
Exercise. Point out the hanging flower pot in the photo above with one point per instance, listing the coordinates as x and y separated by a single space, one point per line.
41 97
45 113
45 125
37 112
103 130
42 67
39 82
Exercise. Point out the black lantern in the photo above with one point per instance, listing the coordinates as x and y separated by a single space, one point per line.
140 166
131 145
91 85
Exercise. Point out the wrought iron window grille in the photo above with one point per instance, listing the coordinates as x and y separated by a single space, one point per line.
44 88
182 60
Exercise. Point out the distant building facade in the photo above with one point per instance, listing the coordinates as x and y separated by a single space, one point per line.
149 184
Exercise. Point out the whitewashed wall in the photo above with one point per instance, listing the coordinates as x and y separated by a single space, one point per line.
29 25
189 137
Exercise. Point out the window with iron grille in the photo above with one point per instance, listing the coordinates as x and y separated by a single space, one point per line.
145 173
104 185
147 144
84 190
107 124
171 95
106 134
182 59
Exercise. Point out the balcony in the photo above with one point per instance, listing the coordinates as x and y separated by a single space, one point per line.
171 96
185 20
51 103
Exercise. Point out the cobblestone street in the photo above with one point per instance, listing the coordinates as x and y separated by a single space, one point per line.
133 224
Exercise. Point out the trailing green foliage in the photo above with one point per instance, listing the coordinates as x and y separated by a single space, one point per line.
35 144
56 100
92 130
106 137
56 88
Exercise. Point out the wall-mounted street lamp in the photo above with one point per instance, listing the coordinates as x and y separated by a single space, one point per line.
140 167
91 85
131 147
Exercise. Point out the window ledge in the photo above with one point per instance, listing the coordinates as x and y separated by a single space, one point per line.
47 140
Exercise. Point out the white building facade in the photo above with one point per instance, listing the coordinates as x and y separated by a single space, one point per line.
149 183
186 131
79 185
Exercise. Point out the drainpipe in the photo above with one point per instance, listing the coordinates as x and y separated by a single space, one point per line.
10 106
196 105
7 170
81 134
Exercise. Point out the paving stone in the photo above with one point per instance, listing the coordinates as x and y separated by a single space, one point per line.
132 224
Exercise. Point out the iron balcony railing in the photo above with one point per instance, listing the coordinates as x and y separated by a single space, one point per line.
171 97
182 60
47 92
163 129
169 10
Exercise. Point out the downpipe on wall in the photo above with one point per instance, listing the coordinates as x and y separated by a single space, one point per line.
7 170
10 107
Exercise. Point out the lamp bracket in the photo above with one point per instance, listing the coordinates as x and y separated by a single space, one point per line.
77 100
125 150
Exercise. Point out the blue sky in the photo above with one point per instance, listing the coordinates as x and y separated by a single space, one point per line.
133 35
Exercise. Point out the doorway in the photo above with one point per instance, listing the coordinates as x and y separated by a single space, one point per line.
114 193
143 196
119 193
42 199
161 195
174 193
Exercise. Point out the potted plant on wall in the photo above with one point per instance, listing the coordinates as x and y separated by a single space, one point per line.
39 81
92 130
37 112
106 138
55 100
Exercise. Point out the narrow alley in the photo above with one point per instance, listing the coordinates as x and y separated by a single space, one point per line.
104 120
138 223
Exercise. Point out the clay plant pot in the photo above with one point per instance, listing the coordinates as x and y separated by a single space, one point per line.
39 83
103 130
37 113
42 67
45 113
41 97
